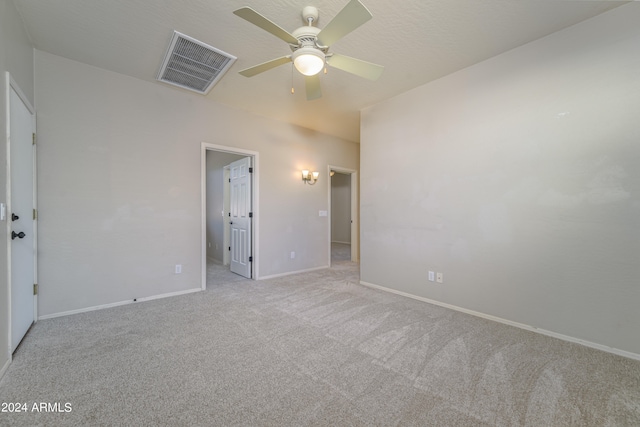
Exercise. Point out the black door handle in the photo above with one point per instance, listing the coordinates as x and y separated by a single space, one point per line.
19 235
14 217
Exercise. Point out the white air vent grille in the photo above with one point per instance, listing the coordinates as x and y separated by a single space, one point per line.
193 65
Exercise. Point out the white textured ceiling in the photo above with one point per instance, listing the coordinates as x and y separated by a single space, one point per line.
416 40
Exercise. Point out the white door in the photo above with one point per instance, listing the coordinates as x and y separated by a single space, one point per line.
21 218
240 216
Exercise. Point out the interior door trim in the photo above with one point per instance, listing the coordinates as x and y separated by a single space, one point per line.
355 213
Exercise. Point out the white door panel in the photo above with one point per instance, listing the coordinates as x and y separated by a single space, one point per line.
21 218
240 210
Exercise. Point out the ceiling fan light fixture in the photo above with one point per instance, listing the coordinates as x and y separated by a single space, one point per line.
308 60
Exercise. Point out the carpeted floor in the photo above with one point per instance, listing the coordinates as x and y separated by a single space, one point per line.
313 349
340 252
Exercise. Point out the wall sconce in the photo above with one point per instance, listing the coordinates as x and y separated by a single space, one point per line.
310 178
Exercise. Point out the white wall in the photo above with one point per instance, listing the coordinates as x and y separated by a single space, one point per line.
119 176
341 208
519 179
16 56
216 161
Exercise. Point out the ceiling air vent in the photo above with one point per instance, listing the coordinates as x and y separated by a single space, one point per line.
193 65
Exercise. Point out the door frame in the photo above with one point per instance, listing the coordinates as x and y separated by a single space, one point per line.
255 192
11 84
226 203
355 216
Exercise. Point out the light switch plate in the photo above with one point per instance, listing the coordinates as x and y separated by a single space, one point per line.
323 213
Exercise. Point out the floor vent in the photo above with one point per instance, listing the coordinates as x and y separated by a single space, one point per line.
193 65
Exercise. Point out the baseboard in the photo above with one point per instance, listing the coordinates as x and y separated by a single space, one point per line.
273 276
5 367
117 304
568 338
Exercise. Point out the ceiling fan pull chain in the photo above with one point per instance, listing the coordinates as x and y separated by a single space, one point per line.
292 90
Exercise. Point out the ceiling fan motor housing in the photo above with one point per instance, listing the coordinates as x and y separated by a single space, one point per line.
308 57
307 37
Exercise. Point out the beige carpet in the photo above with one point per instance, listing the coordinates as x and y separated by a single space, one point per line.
340 252
313 349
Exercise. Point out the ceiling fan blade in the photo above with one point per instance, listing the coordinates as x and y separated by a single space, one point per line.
312 84
256 19
265 66
355 66
348 19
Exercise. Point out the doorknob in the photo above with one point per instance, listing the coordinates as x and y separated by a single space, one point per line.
14 217
19 235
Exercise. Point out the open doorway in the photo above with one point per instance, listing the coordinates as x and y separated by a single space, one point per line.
229 214
343 215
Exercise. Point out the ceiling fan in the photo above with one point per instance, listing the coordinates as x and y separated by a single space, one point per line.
310 45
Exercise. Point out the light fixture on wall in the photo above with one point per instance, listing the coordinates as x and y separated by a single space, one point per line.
309 177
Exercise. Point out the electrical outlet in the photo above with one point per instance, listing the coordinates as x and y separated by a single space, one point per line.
439 278
293 254
178 268
432 276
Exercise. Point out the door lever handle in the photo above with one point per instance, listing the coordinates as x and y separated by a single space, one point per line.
19 235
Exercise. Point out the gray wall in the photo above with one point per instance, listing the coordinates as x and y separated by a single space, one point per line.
216 161
341 208
120 183
519 179
16 56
